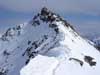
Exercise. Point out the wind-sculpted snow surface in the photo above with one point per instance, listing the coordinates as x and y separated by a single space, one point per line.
51 44
47 64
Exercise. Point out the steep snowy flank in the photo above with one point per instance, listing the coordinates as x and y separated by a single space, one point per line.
46 45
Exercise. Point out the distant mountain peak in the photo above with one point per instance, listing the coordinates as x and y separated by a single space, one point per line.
48 35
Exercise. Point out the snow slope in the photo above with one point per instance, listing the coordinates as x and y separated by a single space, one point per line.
47 45
47 66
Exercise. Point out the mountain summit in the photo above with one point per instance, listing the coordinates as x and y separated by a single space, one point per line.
47 45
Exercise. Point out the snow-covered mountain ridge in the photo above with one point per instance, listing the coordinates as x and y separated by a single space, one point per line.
52 45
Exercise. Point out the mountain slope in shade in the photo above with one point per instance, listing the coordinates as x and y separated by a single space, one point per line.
97 43
46 45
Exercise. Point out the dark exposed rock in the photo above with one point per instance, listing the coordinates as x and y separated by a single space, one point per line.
98 47
44 11
5 53
36 16
27 61
46 36
29 42
27 51
52 25
46 15
56 30
89 60
36 23
18 27
3 71
77 60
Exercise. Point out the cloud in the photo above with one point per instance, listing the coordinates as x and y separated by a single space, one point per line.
66 6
